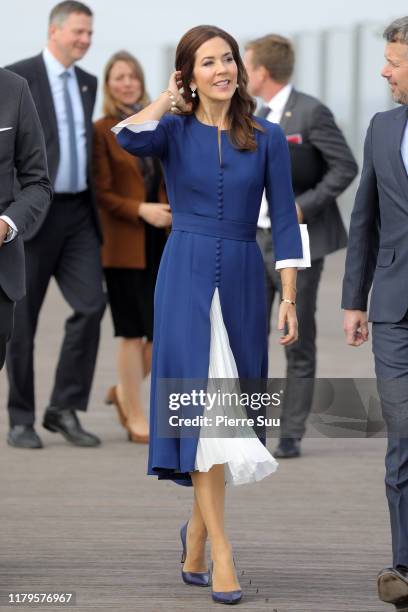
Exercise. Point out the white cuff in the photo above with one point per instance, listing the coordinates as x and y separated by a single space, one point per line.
146 126
14 229
303 263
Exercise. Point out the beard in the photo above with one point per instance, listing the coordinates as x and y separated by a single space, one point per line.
400 97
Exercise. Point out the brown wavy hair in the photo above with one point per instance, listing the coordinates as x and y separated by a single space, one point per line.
110 106
242 106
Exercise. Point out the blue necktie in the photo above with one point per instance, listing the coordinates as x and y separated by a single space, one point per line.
73 153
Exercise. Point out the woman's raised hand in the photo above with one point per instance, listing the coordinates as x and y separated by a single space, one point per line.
175 85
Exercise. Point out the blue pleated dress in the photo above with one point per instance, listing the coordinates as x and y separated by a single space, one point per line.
212 259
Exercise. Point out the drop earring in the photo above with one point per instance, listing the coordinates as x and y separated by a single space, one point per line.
193 92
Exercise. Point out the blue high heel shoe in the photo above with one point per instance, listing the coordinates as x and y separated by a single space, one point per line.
201 579
225 597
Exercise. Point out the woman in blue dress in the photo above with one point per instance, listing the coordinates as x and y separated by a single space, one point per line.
210 304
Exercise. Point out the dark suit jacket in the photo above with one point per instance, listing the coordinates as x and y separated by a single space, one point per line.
323 166
120 188
34 70
377 253
22 157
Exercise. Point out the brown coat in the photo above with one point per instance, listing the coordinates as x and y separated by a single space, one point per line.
120 189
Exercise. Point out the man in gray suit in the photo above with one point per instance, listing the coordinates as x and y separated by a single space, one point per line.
22 154
322 167
378 256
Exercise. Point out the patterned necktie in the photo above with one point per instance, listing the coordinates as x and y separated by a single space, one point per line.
264 112
73 152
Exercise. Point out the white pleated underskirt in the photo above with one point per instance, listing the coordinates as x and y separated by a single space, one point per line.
245 458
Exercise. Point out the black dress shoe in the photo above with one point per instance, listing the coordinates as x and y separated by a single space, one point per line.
24 436
67 423
287 448
392 586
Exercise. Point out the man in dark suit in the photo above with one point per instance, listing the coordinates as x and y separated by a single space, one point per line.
322 167
22 153
377 256
64 243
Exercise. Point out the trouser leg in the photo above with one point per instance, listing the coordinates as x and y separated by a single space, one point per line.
264 240
79 276
390 346
6 324
40 255
301 356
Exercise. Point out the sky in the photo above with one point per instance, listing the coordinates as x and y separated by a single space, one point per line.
151 29
164 21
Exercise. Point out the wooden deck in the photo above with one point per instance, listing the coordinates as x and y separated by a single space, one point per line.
309 538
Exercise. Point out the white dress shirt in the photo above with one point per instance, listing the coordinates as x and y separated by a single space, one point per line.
276 104
54 71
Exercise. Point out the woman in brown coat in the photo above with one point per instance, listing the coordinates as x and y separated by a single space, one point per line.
129 192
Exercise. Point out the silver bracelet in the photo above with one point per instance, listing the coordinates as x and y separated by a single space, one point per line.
288 301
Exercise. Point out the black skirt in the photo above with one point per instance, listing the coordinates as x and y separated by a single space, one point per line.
131 291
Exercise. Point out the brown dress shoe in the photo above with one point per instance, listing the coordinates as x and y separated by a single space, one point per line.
112 399
392 586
